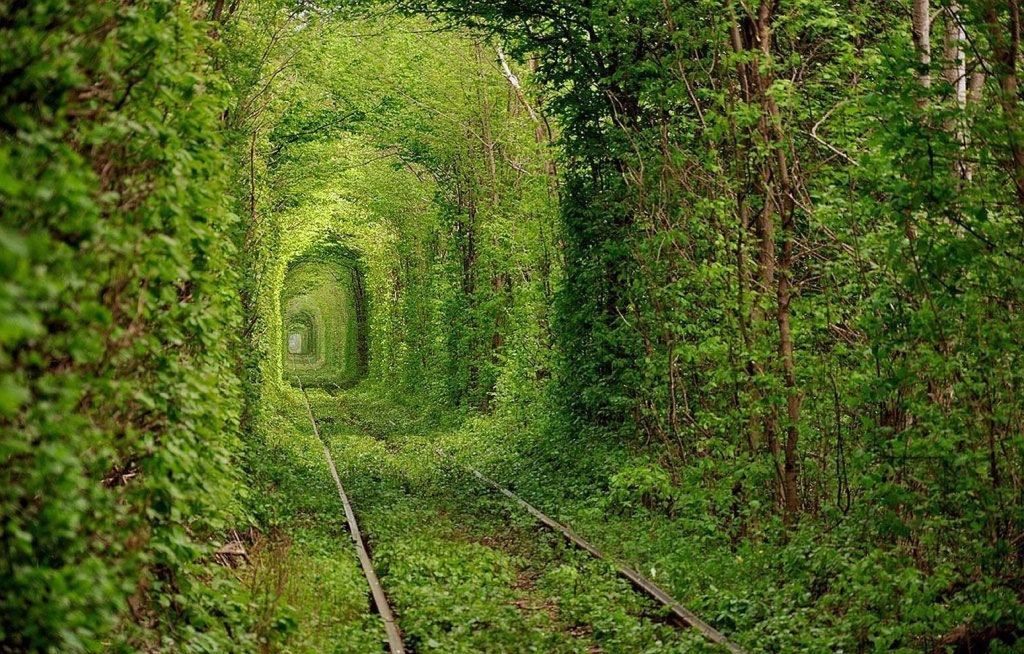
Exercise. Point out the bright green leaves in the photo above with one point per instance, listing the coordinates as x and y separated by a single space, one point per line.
322 302
12 396
16 325
117 403
713 153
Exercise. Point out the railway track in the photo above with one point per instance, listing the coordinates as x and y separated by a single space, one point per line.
380 600
682 616
640 582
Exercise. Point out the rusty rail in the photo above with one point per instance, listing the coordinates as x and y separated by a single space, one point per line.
639 581
380 600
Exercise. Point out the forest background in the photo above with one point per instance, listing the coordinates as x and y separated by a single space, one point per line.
749 274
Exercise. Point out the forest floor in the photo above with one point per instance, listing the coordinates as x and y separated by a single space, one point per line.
464 568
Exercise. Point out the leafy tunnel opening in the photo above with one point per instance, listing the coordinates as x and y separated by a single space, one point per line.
324 318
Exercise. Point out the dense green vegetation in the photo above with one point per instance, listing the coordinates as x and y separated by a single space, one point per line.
324 320
119 400
732 288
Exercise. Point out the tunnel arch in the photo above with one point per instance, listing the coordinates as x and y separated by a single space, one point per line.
324 322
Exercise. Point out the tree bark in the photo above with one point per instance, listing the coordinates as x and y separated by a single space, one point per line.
956 75
774 183
1006 54
922 31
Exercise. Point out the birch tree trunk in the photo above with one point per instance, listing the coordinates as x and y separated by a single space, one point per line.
922 30
955 73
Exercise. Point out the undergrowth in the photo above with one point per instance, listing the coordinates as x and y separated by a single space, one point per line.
303 574
810 591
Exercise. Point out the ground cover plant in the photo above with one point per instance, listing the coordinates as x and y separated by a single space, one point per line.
730 288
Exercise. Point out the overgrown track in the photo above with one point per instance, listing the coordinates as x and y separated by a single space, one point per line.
682 616
642 583
380 600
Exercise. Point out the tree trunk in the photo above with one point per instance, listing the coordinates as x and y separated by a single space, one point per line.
773 182
956 75
1006 53
922 28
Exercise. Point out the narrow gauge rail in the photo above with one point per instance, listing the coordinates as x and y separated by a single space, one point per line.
380 600
642 583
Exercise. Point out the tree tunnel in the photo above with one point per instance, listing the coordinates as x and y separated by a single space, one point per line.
323 319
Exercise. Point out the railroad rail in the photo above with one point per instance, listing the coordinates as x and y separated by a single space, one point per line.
642 583
380 600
